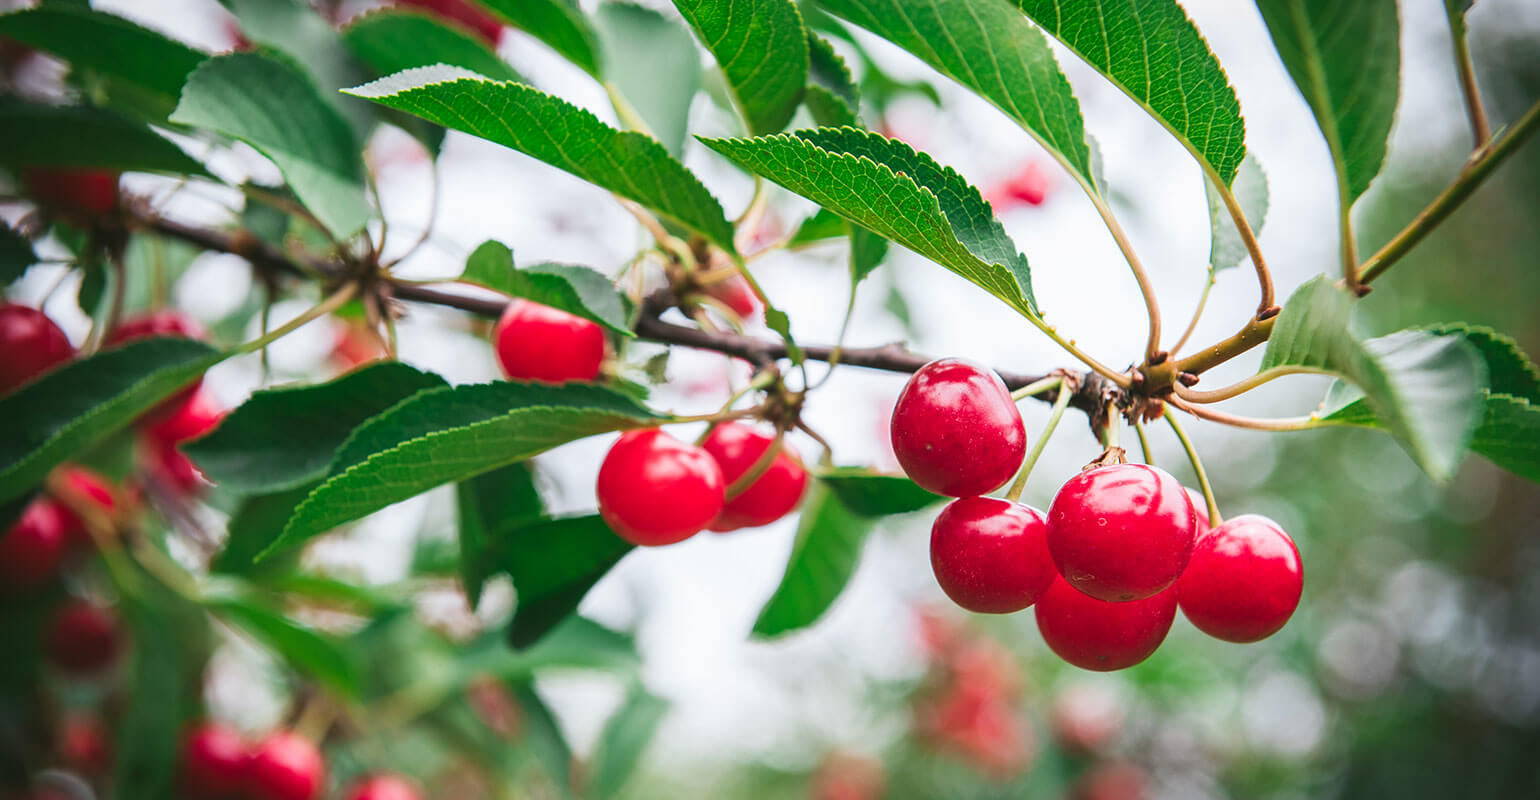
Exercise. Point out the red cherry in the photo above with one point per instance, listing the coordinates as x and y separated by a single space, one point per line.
483 25
93 191
84 745
1029 186
164 324
1097 635
955 429
1199 507
30 345
171 467
384 787
85 486
737 448
212 764
538 343
200 414
736 293
33 549
991 555
285 766
1121 532
82 638
1244 581
656 490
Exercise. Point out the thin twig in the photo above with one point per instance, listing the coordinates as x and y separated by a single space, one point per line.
1248 237
1481 130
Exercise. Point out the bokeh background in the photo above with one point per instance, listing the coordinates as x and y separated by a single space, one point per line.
1412 668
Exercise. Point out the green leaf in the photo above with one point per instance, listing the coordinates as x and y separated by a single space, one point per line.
271 106
823 557
873 494
150 65
653 63
492 507
1509 435
1150 50
822 226
1226 249
831 96
761 47
867 250
39 135
1346 60
544 736
1509 369
571 288
885 186
297 30
243 454
16 254
630 164
391 40
1427 388
553 564
71 408
558 23
440 436
309 652
254 525
989 47
624 740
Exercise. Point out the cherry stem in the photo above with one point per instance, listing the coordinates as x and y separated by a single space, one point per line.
1151 305
331 303
828 451
1250 423
760 467
1242 386
1248 238
1214 519
1060 403
1480 129
1144 442
1037 387
1197 314
719 416
1114 427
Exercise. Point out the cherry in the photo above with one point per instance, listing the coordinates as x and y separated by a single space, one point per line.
30 344
1097 635
538 343
171 467
93 191
737 448
1028 186
466 14
33 549
655 490
285 766
190 420
955 429
384 787
736 293
1121 532
212 763
991 555
84 744
86 486
82 638
1244 581
164 324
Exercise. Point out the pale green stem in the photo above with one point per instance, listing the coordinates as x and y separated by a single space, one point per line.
1197 466
1060 403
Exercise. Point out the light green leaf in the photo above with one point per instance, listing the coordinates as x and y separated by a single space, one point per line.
254 525
391 40
989 47
761 47
1346 60
873 494
558 23
630 164
308 651
269 105
826 69
823 557
1226 249
653 62
298 31
16 254
888 188
40 135
1150 50
571 288
444 435
491 507
624 740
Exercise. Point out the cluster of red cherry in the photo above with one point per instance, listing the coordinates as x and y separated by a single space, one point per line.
1121 547
217 763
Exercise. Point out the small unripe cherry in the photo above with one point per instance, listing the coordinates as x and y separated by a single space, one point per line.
956 430
535 342
991 555
384 787
1097 635
737 448
30 345
1121 532
285 766
82 638
33 548
1244 580
211 764
90 191
654 489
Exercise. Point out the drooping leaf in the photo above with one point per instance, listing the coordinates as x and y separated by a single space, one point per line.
873 494
823 557
1346 60
989 47
1509 369
244 455
492 506
254 525
271 106
553 563
888 188
1152 51
1509 435
569 287
16 254
867 250
310 652
761 47
1226 249
831 95
653 63
391 40
81 403
40 135
822 226
440 436
297 30
630 164
545 737
624 740
560 24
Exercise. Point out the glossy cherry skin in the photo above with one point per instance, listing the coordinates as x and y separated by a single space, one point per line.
212 763
737 448
193 419
466 14
87 486
384 787
30 345
1101 636
1244 581
285 766
1121 532
955 430
93 191
991 555
737 295
655 490
82 638
33 549
535 342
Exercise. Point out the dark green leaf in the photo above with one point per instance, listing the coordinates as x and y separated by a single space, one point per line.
624 740
867 250
870 494
653 63
311 653
558 23
571 288
822 226
492 507
544 736
297 30
823 557
16 254
1509 370
761 47
831 95
254 525
1510 435
81 403
311 422
1226 249
38 135
270 105
630 164
391 40
553 564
